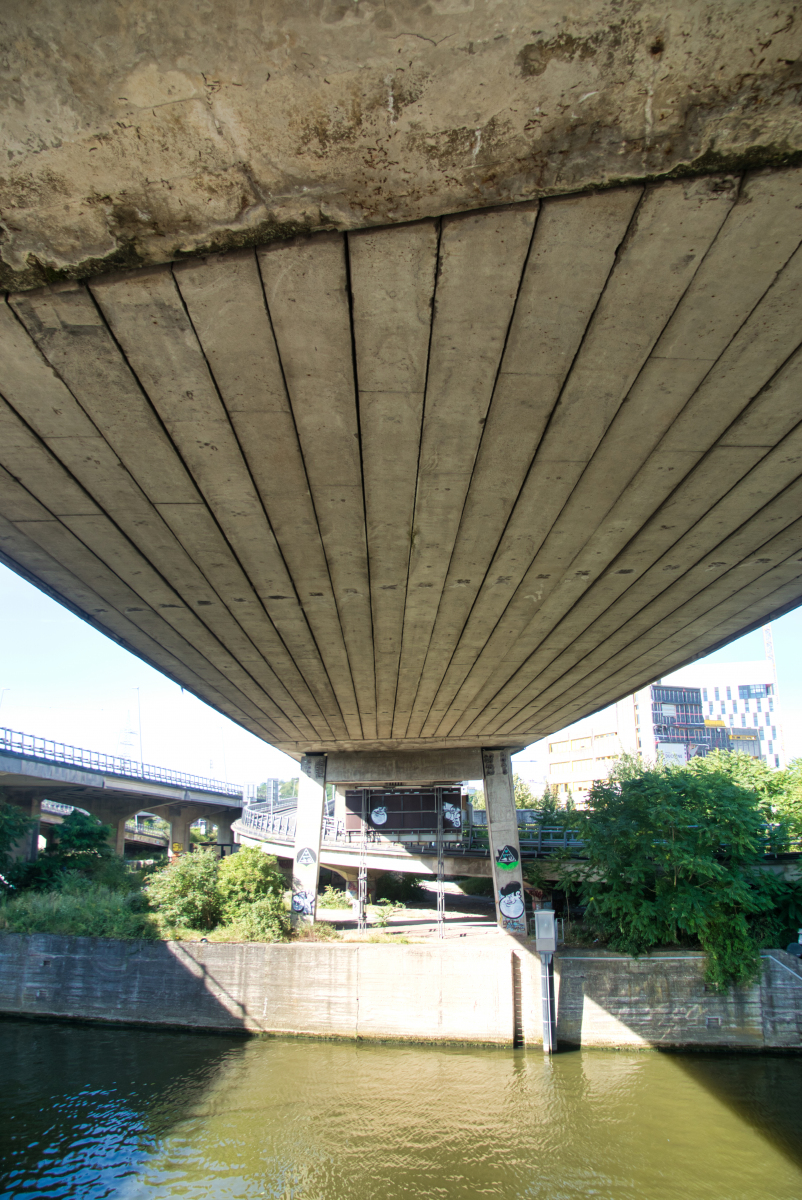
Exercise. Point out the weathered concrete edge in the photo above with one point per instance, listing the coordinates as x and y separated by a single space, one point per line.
125 257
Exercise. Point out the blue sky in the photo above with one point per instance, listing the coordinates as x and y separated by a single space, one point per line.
61 679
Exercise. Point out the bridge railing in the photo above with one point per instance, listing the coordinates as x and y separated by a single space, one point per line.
540 839
27 745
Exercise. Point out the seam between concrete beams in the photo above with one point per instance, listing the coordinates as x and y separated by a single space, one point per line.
499 366
686 600
438 264
355 374
231 549
28 575
773 615
546 427
288 397
734 636
157 416
48 590
629 232
686 533
124 536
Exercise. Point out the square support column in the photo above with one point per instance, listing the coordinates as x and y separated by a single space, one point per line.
505 848
308 831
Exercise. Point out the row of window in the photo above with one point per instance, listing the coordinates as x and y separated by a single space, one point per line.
746 691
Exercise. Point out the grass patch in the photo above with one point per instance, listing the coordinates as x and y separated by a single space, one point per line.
92 911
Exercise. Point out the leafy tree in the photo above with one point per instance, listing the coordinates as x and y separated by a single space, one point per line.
184 893
246 877
14 824
523 793
672 853
288 788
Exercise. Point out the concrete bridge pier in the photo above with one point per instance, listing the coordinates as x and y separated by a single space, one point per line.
414 768
223 821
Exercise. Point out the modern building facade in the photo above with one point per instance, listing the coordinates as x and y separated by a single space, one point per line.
703 707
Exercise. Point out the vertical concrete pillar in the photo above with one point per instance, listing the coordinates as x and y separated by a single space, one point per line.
225 836
180 821
308 828
119 840
505 849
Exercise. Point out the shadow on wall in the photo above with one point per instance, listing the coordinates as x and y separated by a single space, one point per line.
135 982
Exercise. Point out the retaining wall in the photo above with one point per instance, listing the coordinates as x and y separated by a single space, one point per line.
449 992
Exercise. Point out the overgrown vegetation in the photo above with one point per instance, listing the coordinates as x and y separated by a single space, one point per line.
79 886
676 855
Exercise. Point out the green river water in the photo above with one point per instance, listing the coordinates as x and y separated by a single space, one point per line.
92 1112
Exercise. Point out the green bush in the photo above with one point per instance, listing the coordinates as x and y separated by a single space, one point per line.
246 877
333 898
85 911
14 824
185 894
263 920
673 854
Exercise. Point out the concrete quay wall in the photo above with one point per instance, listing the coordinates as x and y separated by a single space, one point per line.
447 992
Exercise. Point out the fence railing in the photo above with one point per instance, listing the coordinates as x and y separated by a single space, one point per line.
44 750
540 839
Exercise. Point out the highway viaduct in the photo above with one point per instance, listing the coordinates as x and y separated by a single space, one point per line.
404 381
34 769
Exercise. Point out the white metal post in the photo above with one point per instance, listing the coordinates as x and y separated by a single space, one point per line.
505 849
308 828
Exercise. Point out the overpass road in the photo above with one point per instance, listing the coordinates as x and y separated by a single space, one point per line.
113 789
405 385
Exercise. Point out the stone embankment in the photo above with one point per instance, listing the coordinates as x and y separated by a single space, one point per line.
445 993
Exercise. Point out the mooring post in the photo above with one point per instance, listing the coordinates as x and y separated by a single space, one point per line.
505 849
308 829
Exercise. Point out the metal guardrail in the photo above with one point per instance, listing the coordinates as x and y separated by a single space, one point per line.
281 827
27 745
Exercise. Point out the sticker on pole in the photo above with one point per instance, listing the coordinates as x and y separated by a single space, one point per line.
306 857
507 858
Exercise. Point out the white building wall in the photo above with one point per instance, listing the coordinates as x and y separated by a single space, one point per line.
722 686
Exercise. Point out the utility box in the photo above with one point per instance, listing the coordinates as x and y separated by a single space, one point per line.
545 931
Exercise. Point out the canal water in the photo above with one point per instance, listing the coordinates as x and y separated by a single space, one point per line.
91 1112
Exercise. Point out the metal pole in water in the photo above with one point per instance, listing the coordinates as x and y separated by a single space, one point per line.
546 944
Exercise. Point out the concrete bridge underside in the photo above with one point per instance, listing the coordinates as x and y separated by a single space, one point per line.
453 388
455 482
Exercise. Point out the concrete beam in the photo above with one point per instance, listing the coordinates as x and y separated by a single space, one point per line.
408 767
131 144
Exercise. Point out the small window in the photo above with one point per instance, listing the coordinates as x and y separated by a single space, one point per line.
776 760
710 706
715 692
729 693
771 705
704 693
743 718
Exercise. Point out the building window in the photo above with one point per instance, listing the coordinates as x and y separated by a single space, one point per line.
776 760
771 705
704 693
735 706
771 747
743 718
774 731
768 719
715 693
751 691
759 706
710 706
729 693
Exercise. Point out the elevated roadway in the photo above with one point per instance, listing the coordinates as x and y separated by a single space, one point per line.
113 789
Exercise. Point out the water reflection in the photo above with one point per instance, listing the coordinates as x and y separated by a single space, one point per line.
204 1118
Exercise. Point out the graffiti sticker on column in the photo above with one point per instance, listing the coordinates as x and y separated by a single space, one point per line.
303 902
511 900
306 857
507 858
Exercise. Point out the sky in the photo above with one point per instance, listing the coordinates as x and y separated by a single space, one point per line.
62 679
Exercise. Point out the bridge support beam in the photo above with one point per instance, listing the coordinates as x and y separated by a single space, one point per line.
308 830
505 848
225 836
114 814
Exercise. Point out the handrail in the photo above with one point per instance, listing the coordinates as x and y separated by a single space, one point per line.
27 745
282 827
